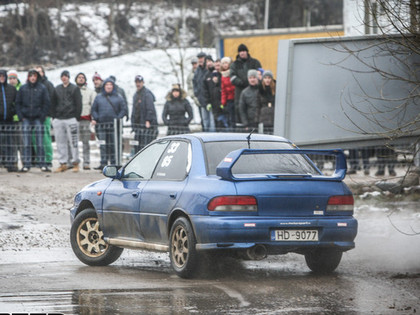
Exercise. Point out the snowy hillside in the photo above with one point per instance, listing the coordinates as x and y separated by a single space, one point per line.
72 32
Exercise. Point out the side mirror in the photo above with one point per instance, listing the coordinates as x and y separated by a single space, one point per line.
110 171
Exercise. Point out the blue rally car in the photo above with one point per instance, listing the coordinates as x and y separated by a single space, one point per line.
200 195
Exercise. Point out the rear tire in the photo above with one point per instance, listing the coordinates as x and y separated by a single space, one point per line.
87 242
323 260
182 252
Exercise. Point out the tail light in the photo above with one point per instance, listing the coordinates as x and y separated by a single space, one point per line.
340 203
233 203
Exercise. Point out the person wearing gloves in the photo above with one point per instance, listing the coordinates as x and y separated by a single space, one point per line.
107 106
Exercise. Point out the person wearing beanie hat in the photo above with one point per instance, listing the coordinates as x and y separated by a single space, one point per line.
66 110
88 96
47 122
96 76
97 82
242 47
252 73
32 107
13 79
12 73
266 101
143 118
8 155
239 74
268 73
248 101
65 73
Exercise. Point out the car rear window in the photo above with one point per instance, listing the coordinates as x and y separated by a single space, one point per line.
260 163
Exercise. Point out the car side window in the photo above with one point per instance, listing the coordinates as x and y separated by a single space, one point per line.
175 162
143 164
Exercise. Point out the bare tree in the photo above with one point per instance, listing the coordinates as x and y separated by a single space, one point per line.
394 107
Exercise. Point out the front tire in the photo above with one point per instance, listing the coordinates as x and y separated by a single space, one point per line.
182 252
323 260
87 242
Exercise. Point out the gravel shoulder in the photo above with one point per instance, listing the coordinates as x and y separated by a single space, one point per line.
34 207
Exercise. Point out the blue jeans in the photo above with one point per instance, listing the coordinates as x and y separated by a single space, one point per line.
37 127
208 119
105 133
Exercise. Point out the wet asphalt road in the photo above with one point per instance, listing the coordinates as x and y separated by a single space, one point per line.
380 276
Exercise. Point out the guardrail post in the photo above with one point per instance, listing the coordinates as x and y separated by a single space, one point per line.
118 141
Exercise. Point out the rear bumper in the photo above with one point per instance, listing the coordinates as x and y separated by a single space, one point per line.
242 233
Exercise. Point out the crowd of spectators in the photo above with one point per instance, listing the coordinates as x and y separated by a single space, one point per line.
230 95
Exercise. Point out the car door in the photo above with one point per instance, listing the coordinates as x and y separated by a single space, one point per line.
122 198
162 191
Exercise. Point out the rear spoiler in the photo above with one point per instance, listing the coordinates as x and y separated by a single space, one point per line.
224 169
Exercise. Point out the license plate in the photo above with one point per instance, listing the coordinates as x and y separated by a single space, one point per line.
294 235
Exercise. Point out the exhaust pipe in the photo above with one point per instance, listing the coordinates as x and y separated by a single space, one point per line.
257 252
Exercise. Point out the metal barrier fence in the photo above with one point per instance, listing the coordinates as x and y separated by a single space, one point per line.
114 143
377 160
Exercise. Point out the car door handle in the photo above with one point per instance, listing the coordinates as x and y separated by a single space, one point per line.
135 194
173 195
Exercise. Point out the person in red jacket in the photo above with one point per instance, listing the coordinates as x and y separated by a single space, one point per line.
228 90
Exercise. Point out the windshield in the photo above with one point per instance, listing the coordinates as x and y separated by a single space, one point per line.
259 163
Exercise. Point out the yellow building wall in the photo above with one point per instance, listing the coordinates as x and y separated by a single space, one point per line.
264 47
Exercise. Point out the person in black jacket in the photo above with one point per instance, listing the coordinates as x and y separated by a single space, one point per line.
266 101
239 73
213 94
248 102
8 156
174 111
47 123
66 110
143 117
32 107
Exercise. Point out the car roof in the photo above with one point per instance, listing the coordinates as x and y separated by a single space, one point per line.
225 136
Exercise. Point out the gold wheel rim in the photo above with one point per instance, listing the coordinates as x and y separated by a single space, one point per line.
180 247
90 238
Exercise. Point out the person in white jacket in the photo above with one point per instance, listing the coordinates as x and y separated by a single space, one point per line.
88 96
